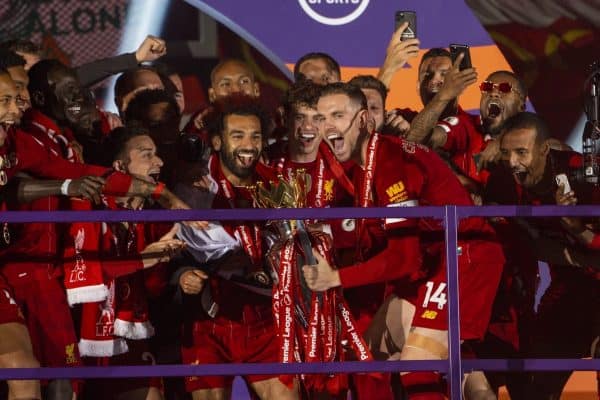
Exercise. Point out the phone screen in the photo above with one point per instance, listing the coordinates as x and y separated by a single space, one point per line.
456 49
406 16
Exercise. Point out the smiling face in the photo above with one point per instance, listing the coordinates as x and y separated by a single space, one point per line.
67 101
341 123
431 76
376 107
232 77
524 155
21 80
9 111
305 137
239 146
496 106
140 158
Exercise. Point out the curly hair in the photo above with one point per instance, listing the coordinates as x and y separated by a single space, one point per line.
303 92
236 104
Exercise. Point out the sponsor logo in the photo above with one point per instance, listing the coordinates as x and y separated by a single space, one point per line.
397 192
428 314
334 12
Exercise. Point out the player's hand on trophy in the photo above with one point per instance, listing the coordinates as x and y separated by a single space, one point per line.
192 282
321 276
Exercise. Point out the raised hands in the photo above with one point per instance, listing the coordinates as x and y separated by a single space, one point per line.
456 81
152 48
397 54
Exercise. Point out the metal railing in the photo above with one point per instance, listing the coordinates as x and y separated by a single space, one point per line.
454 366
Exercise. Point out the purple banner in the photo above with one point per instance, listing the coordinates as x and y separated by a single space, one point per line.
355 32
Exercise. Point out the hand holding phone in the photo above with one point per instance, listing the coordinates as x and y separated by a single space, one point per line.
406 16
561 179
455 50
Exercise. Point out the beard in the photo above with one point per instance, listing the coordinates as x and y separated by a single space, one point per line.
229 159
489 129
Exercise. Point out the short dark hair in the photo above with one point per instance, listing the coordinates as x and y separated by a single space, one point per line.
163 68
117 139
236 104
332 65
137 110
9 59
124 82
370 82
303 92
527 120
227 61
520 83
435 52
353 92
38 76
21 46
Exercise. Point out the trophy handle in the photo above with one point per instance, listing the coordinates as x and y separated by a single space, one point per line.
305 243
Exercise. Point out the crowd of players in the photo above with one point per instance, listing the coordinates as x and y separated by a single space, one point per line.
110 293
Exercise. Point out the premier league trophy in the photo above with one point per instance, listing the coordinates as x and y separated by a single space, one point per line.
311 325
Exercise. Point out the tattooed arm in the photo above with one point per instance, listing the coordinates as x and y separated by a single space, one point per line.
423 127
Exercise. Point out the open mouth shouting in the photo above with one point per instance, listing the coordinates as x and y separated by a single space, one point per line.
306 137
7 123
154 176
520 175
246 158
494 109
336 142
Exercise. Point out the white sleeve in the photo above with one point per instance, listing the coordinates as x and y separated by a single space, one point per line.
204 244
208 244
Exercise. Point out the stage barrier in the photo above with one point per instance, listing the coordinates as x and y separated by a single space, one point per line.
454 366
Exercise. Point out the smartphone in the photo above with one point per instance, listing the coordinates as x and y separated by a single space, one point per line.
561 179
456 49
406 16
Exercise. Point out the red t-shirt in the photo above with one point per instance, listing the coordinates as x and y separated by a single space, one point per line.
237 304
465 140
406 175
37 242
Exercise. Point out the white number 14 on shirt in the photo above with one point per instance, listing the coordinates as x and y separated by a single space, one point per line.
435 296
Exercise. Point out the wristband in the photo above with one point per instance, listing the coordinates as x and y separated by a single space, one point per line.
64 188
158 190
